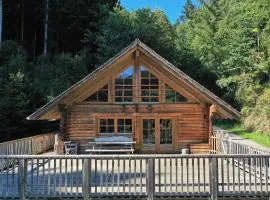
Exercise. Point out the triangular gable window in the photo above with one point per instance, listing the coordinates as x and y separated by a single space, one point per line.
173 96
124 86
99 96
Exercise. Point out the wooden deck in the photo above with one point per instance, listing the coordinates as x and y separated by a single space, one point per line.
135 176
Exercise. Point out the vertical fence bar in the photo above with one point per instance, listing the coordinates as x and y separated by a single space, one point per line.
266 172
22 178
182 175
140 176
150 180
213 177
86 179
176 175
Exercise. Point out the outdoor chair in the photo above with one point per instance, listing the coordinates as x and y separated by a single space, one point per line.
70 147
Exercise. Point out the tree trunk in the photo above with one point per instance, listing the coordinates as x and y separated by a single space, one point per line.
22 20
1 20
45 50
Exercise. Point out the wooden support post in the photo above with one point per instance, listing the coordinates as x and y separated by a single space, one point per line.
136 77
110 91
150 180
212 111
63 110
86 179
162 92
22 178
213 171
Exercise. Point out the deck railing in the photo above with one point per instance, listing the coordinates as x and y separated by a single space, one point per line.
221 145
146 176
29 145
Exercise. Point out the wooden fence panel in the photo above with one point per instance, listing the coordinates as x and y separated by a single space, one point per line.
28 146
145 176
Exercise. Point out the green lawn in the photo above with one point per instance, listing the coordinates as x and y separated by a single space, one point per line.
239 129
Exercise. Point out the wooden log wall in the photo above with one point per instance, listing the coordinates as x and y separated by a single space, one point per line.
81 128
192 127
82 122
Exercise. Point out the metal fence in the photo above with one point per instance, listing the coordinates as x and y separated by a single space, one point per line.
221 145
140 176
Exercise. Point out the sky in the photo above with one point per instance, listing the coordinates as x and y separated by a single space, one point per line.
172 8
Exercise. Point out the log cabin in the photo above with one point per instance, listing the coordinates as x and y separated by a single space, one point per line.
138 92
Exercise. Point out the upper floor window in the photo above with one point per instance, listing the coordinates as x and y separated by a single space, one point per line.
149 86
124 86
99 96
173 96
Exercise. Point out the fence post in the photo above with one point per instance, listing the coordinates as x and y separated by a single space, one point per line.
22 178
86 179
213 177
150 179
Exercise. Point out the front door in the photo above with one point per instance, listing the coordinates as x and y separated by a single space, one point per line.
157 135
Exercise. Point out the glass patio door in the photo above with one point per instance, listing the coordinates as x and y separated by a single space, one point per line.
157 135
166 131
149 135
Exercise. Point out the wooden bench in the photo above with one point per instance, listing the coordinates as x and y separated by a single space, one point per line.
111 146
110 150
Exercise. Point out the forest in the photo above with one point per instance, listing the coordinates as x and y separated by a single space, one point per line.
48 45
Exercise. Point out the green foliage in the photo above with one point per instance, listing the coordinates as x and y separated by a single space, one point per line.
231 39
223 44
121 28
259 117
14 99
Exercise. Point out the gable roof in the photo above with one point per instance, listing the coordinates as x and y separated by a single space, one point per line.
223 109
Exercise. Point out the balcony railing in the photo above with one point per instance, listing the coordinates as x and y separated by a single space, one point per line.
140 176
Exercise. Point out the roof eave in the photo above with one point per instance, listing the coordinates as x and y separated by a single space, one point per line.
37 115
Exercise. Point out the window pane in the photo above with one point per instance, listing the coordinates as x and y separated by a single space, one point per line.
93 97
125 125
110 122
149 86
99 96
128 81
180 98
111 129
103 96
149 131
165 131
102 122
127 99
129 122
121 122
145 82
123 86
154 81
106 125
173 96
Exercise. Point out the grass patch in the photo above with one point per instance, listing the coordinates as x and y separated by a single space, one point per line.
242 131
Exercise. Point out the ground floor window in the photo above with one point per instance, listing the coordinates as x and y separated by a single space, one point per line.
115 125
124 125
106 125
